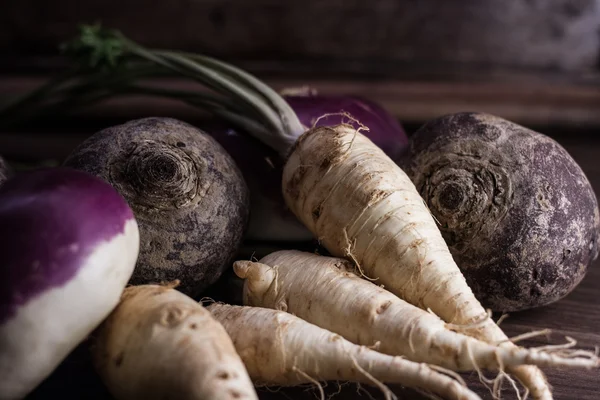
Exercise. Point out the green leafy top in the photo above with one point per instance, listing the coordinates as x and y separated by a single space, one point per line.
96 47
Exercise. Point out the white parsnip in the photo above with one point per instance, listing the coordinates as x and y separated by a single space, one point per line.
161 344
281 349
323 291
362 206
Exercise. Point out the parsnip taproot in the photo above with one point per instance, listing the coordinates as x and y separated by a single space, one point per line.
324 291
362 206
161 344
281 349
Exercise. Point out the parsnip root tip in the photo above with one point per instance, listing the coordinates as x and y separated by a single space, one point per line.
242 268
170 284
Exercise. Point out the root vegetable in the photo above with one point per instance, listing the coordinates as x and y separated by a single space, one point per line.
270 218
281 349
323 291
363 207
517 212
161 344
189 197
345 190
69 243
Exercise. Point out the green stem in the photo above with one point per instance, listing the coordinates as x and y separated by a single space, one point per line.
221 83
294 126
220 106
238 97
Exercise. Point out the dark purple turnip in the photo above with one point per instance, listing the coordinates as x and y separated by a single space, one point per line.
519 215
188 196
270 219
69 243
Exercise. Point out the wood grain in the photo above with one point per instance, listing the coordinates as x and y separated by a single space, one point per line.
551 34
523 98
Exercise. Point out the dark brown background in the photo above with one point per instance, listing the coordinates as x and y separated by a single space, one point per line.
532 61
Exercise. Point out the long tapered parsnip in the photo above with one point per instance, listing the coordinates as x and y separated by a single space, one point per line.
281 349
362 206
160 344
323 291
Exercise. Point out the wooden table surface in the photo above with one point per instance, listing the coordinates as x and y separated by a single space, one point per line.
577 316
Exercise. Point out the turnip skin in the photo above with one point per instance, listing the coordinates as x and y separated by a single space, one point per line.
69 246
189 197
518 213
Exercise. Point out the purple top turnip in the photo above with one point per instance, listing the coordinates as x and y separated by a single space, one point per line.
270 219
69 243
189 197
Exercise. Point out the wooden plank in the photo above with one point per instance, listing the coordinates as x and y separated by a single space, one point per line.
552 34
538 105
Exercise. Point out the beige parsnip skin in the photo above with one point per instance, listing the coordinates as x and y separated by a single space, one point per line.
161 344
281 349
323 291
362 206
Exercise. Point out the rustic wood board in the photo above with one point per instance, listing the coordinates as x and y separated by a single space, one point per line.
352 34
524 98
577 316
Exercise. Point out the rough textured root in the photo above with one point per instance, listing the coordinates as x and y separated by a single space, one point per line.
528 335
482 378
514 206
501 319
160 343
281 349
471 325
374 381
348 254
312 380
331 173
323 291
188 195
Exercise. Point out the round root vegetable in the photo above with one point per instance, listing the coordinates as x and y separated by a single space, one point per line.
281 349
159 344
189 198
69 245
517 212
324 291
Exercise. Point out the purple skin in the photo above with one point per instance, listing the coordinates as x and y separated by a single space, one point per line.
50 221
262 166
384 130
